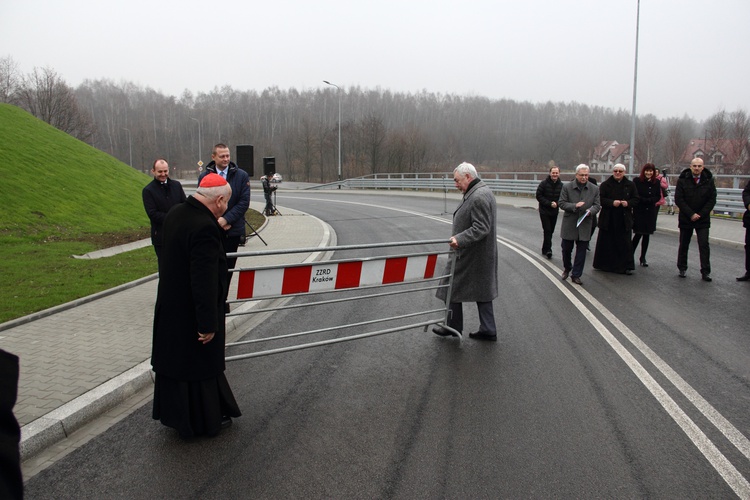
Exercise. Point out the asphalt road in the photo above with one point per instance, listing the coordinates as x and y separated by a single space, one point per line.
632 386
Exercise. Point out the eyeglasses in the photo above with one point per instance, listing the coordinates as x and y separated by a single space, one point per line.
619 171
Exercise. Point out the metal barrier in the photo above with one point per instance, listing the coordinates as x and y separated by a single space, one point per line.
397 274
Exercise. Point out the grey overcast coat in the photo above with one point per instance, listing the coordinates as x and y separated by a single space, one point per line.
474 223
571 194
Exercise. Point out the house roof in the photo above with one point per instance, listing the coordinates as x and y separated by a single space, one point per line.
610 150
707 147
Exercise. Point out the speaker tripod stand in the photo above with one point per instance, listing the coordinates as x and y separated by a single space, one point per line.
273 210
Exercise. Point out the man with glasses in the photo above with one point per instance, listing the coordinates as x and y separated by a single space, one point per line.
695 196
579 199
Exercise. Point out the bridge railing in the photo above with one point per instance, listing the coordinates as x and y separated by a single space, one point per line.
729 200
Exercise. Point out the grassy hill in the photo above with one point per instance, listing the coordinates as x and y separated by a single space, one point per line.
63 197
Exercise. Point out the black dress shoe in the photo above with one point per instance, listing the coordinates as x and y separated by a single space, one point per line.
746 277
549 255
565 275
443 332
643 262
682 273
225 422
628 271
576 280
706 277
483 336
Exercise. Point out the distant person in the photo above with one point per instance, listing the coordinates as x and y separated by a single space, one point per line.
547 194
614 245
666 190
268 190
595 182
695 196
475 243
159 196
746 223
191 392
233 220
11 479
664 184
579 200
650 193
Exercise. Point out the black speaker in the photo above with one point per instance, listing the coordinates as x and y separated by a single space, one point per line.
246 159
269 165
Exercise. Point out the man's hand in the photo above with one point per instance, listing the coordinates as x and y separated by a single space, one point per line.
695 217
580 204
205 338
223 223
553 204
453 243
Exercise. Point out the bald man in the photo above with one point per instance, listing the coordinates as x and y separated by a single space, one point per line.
159 196
695 196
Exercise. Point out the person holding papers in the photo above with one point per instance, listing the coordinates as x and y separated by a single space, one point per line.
579 200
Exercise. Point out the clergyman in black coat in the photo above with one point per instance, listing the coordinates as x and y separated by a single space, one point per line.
191 392
159 196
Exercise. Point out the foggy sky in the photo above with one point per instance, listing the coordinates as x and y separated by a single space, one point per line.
692 54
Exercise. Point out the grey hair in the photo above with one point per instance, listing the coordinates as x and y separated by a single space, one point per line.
467 168
211 193
582 166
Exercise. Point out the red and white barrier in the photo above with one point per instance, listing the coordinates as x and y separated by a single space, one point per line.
255 284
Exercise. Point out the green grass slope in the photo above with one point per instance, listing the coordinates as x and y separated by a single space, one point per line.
63 197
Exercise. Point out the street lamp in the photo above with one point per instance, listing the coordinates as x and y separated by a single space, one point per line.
130 144
635 87
338 91
200 156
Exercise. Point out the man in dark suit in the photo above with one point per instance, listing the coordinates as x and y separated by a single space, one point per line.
159 196
191 393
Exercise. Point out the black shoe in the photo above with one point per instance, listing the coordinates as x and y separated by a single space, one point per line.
746 277
549 255
565 274
682 273
443 332
628 272
643 262
706 277
576 280
225 422
483 336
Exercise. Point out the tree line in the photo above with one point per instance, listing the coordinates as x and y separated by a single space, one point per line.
381 131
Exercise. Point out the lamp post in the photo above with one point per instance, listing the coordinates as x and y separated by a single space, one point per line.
338 91
200 156
635 87
130 145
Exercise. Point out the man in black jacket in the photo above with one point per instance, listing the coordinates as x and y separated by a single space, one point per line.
746 223
695 196
547 194
159 196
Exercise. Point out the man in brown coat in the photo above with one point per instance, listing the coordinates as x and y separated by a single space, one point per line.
475 243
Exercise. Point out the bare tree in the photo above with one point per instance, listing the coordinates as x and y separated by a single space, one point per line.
739 134
678 135
44 94
647 142
10 79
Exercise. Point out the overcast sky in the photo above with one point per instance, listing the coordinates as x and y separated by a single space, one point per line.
693 54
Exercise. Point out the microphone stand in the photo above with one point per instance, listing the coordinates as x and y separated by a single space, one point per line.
255 232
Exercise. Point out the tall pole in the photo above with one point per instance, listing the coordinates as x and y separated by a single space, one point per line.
338 91
200 155
635 88
130 145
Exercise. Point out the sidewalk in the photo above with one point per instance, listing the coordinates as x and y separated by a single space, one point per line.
81 358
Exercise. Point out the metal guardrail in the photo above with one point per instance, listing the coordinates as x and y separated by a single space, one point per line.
387 275
729 200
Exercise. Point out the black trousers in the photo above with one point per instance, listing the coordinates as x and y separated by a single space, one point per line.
747 250
548 227
705 252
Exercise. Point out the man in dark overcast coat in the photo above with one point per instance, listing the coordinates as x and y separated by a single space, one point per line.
475 243
159 196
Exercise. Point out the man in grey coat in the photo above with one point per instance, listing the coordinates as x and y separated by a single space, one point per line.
475 243
579 200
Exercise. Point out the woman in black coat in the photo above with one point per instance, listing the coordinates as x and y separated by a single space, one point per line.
645 212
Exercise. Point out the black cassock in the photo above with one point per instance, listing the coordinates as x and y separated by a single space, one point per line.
614 245
191 392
